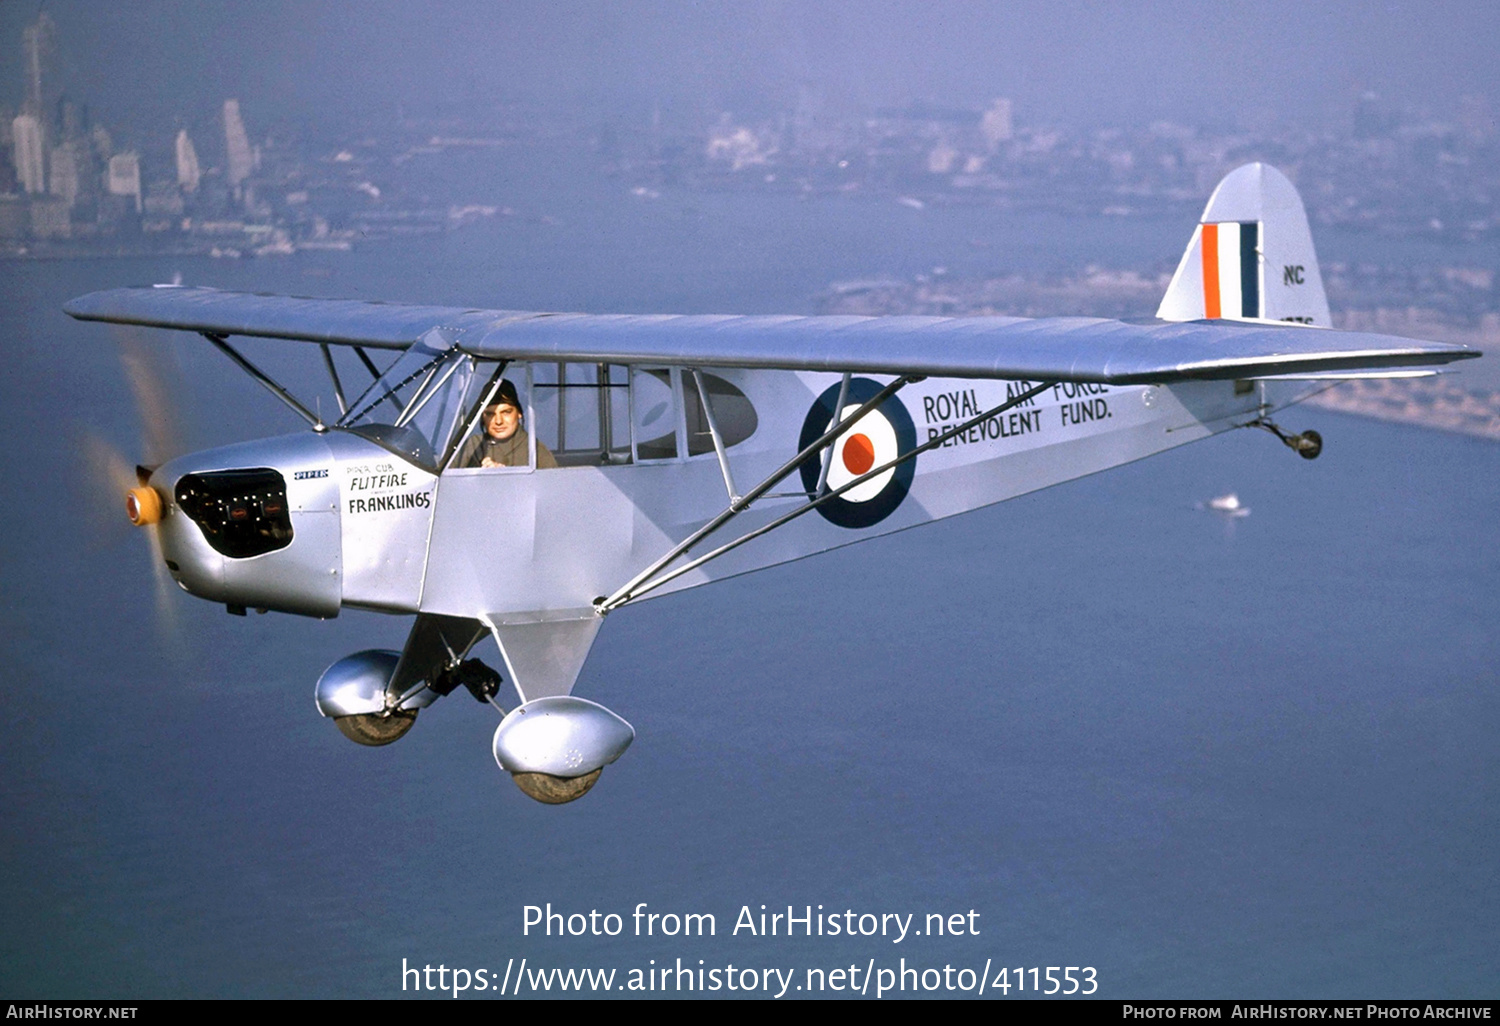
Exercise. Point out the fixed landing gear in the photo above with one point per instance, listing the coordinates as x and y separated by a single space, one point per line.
553 746
556 746
1308 445
388 725
354 693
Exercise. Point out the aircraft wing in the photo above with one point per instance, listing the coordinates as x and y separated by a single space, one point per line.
1012 348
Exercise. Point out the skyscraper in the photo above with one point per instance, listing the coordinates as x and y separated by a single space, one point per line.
125 177
241 160
36 44
71 119
64 178
187 163
26 131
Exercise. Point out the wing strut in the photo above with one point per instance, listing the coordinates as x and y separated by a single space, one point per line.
639 587
739 505
338 386
713 432
261 376
828 452
369 364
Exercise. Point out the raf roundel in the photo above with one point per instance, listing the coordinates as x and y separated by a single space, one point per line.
880 436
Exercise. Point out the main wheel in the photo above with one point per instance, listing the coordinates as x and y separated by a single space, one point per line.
376 729
550 790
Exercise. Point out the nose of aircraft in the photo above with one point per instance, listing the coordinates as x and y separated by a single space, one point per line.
253 525
143 505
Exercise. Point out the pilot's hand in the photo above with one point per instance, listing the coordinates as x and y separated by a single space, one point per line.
487 462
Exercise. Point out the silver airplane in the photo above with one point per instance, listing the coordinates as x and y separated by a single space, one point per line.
522 475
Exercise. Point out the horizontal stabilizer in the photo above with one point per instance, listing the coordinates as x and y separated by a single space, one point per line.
1012 348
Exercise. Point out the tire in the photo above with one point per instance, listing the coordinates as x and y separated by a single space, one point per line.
1311 445
376 729
550 790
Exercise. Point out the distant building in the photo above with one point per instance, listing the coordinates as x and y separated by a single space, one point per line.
163 199
124 177
738 145
941 158
15 219
64 178
241 159
188 173
50 219
995 125
101 142
36 45
71 119
26 134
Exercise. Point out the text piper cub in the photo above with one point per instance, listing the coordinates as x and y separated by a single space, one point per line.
521 475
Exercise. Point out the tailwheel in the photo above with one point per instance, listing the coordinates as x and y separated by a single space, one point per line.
376 729
1309 445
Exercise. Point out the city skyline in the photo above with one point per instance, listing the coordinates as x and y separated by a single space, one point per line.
1073 63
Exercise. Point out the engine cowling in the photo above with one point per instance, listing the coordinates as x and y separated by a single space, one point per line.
254 525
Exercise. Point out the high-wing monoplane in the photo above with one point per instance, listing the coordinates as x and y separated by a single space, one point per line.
522 475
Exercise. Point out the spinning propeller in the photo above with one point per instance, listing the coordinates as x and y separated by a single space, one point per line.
152 376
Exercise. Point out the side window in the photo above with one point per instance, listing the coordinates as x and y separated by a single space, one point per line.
733 415
588 414
654 399
582 412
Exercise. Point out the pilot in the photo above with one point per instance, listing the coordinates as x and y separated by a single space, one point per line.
503 443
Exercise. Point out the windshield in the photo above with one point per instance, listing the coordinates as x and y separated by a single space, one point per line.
416 405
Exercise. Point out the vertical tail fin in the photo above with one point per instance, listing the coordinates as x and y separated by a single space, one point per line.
1251 257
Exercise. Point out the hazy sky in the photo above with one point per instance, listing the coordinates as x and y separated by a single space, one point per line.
1063 60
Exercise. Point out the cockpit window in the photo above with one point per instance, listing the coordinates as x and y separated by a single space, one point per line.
415 407
496 437
592 414
582 412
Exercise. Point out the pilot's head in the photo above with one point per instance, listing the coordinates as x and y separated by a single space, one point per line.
503 416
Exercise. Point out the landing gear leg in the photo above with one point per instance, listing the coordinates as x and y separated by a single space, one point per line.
1308 445
482 682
